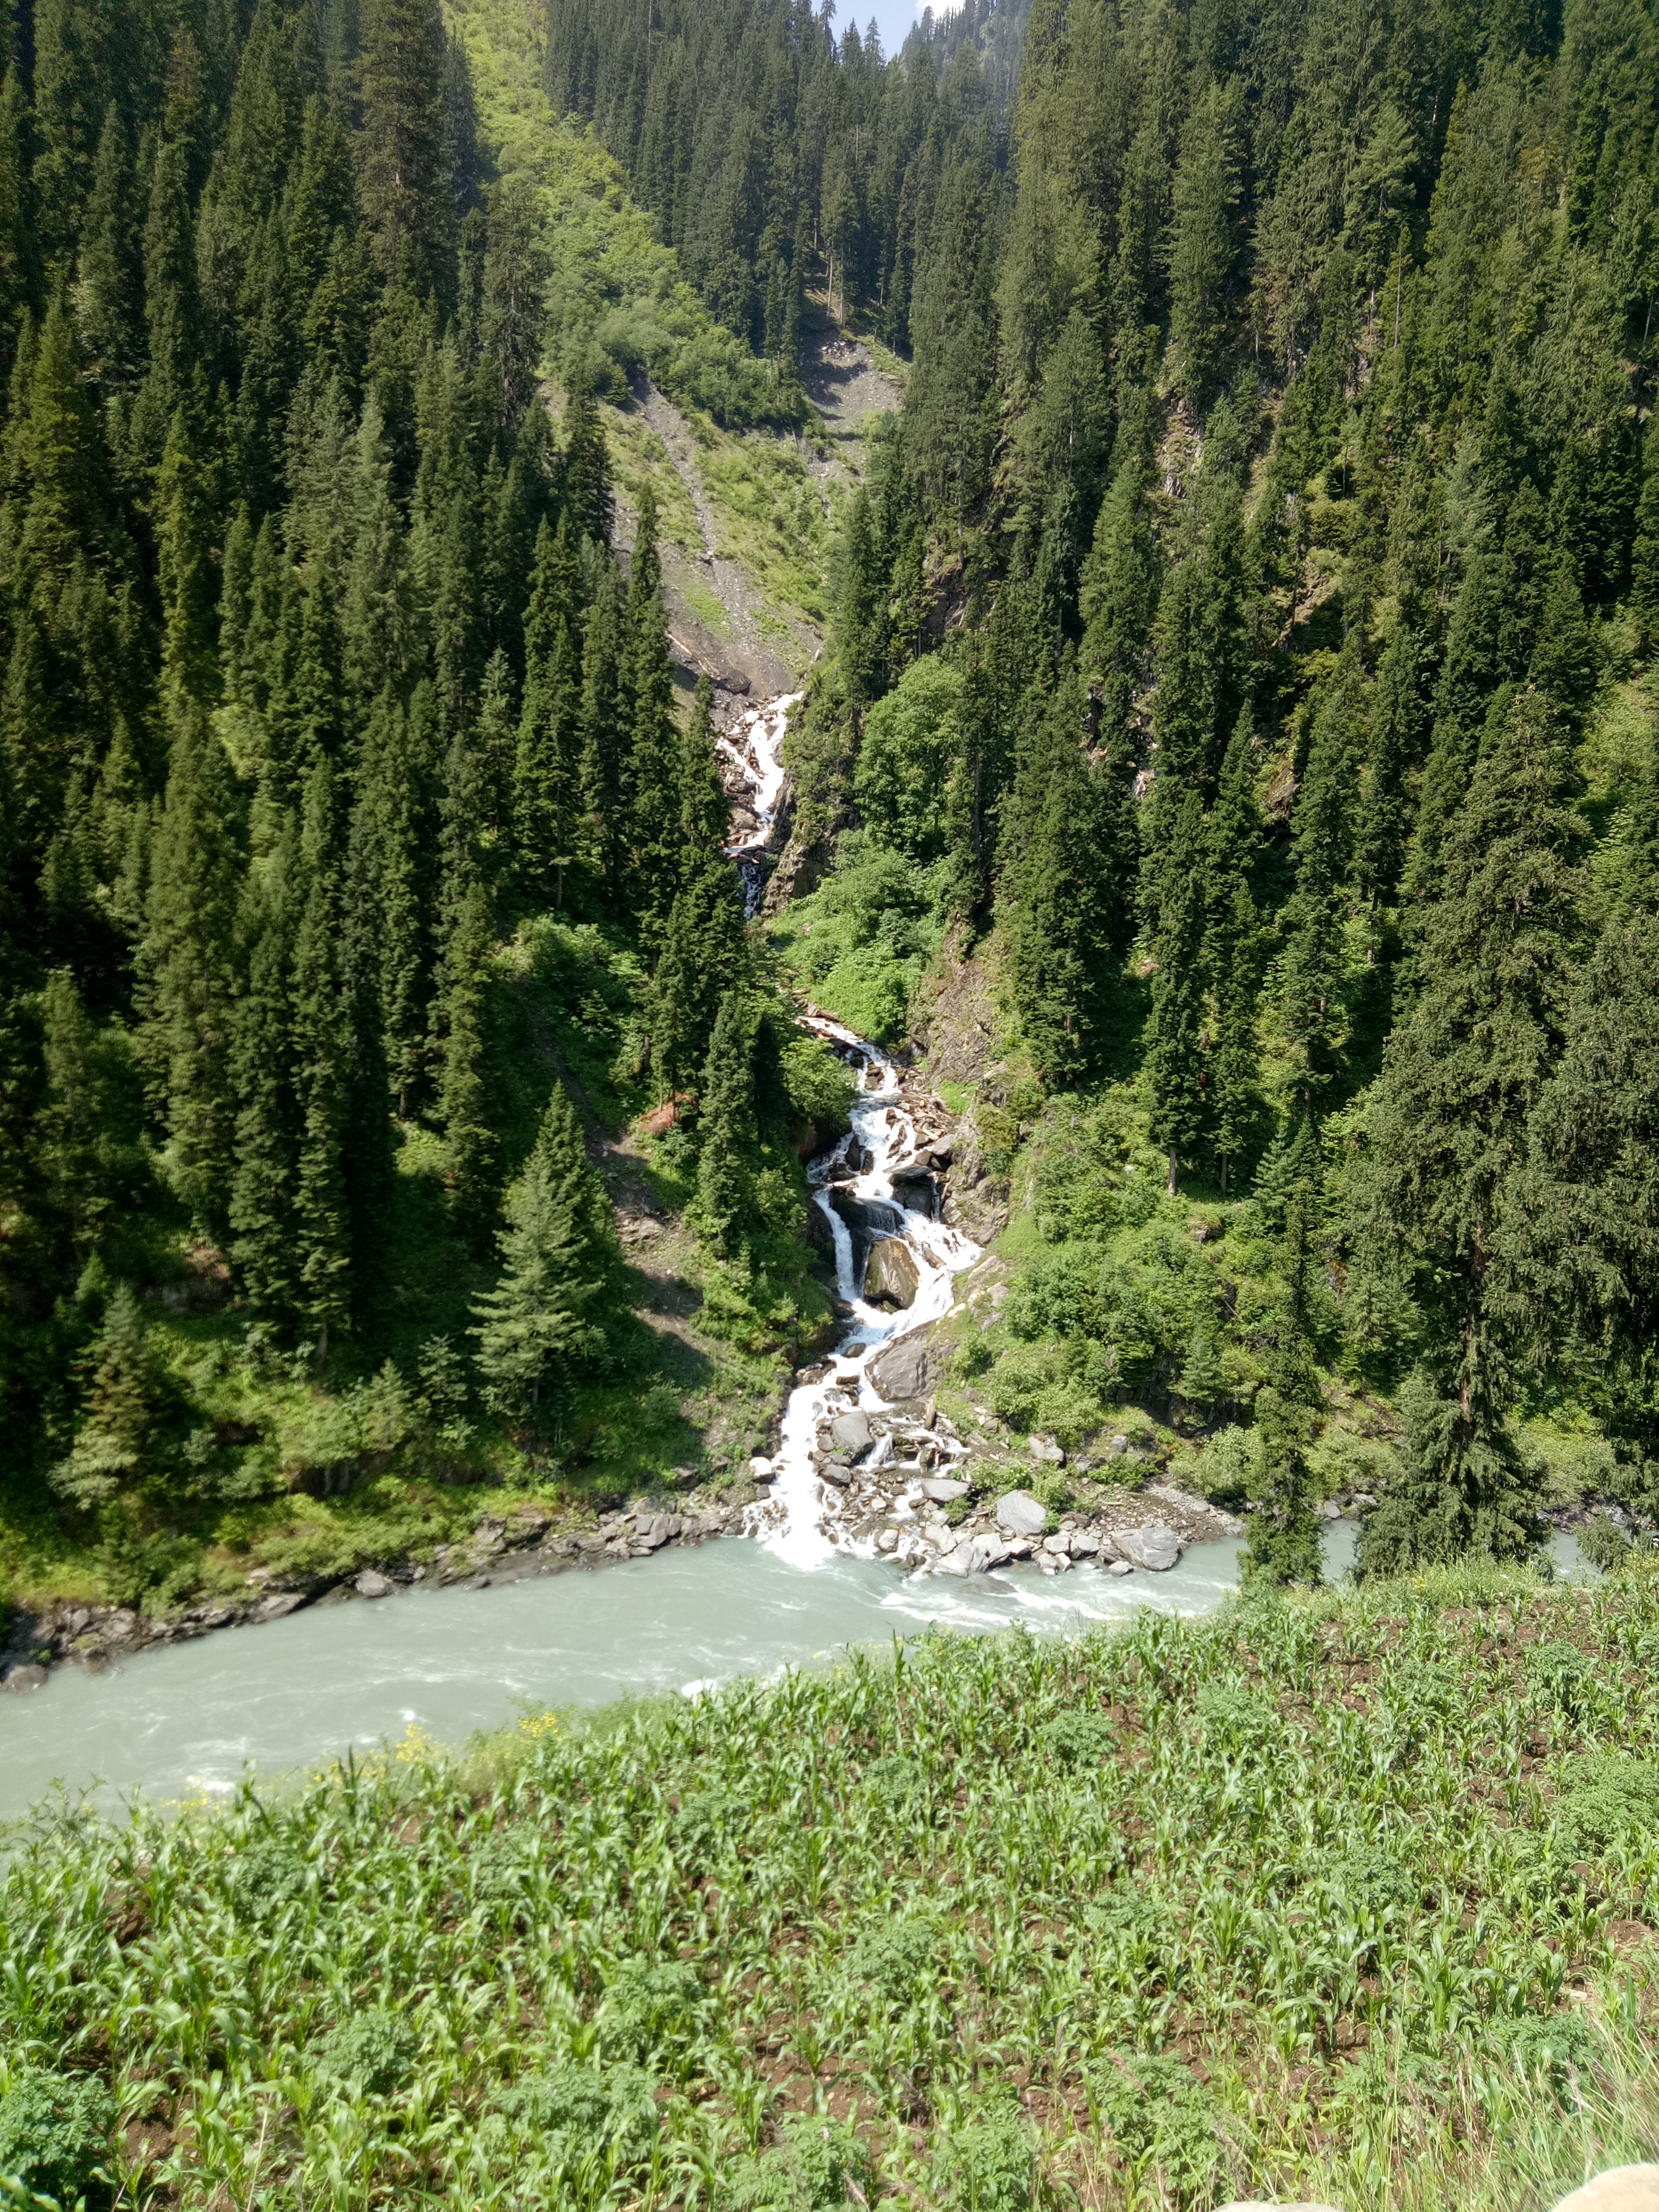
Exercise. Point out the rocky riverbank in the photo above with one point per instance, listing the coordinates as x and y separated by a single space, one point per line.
529 1540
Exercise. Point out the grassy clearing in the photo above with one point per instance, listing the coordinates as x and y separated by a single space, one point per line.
618 302
1349 1898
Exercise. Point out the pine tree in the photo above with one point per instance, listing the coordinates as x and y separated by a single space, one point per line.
605 737
1119 600
460 1022
322 1060
540 1325
587 469
1175 1034
114 1449
185 967
1067 888
389 916
72 1128
654 762
263 1249
1284 1540
1204 237
1644 550
705 810
1232 948
1380 842
1312 970
513 316
108 294
1445 1134
403 162
725 1206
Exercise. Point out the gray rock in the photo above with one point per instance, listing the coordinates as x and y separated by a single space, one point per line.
836 1471
892 1278
1330 1510
26 1677
1045 1448
1119 1567
1019 1514
901 1368
1118 1446
370 1583
941 1489
1085 1545
279 1605
852 1431
914 1188
1268 2204
1156 1547
877 1456
1058 1546
991 1551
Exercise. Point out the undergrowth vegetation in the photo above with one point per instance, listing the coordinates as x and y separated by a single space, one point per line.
1348 1897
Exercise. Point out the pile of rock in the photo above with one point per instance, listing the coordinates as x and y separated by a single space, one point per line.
899 1478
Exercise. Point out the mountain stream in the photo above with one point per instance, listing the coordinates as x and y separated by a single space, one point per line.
187 1720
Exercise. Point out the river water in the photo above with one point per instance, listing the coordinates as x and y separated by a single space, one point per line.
190 1720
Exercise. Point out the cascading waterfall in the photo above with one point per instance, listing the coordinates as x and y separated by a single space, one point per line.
756 748
792 1522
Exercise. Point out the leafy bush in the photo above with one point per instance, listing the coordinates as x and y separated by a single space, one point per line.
1557 2049
820 2166
895 1957
650 2012
993 2158
1225 1471
1605 1800
1080 1738
904 760
1160 2118
1603 1543
374 2052
55 2132
613 2105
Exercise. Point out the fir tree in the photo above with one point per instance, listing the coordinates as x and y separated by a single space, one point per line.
654 764
1380 841
1446 1135
460 1006
1067 884
1284 1540
1644 551
540 1325
114 1450
73 1127
261 1223
322 1060
725 1206
185 967
1313 966
1175 1035
403 162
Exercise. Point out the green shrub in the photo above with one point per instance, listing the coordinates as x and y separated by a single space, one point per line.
614 2105
55 2132
1606 1799
1226 1470
820 2166
1603 1543
1079 1739
894 1957
650 2011
374 2052
993 2159
1557 2051
1161 2120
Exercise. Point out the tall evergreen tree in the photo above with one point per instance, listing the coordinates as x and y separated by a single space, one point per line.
1446 1133
185 966
1175 1036
725 1203
540 1325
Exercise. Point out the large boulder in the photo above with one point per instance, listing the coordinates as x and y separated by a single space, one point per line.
1019 1514
903 1369
892 1278
852 1430
867 1218
1621 2189
941 1489
1156 1547
915 1189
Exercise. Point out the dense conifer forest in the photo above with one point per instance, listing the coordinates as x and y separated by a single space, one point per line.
1238 686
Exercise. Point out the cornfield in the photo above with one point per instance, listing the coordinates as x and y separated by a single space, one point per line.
1347 1897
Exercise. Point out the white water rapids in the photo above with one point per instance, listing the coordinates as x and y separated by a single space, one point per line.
792 1522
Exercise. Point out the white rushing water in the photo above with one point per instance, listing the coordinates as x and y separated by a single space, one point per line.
791 1522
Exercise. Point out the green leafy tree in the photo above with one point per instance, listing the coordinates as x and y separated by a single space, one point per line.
904 759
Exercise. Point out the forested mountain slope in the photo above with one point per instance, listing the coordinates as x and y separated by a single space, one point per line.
362 870
1251 632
